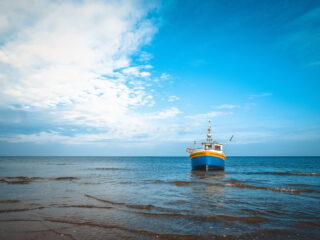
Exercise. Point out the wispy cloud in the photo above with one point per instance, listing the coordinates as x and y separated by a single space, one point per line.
227 106
275 134
168 113
301 37
317 63
259 95
145 57
208 115
173 98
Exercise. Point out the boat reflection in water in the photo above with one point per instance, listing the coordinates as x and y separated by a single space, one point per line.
208 175
208 182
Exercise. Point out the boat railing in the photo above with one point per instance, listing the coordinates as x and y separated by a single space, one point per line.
193 150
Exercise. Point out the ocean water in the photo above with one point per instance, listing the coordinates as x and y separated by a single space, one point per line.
159 198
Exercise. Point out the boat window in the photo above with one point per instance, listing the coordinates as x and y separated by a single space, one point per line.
217 147
209 147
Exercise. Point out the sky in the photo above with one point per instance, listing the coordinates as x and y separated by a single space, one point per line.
142 78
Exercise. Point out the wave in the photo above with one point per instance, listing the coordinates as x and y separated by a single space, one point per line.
275 189
20 209
248 220
26 180
281 173
78 206
308 224
9 201
237 184
141 232
270 233
178 202
298 173
108 169
59 164
52 205
176 214
64 178
17 180
126 182
137 206
245 219
126 229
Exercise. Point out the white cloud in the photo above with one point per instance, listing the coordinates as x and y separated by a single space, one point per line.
137 71
315 63
145 56
208 115
64 53
165 76
227 106
56 137
173 98
168 113
252 96
37 138
73 61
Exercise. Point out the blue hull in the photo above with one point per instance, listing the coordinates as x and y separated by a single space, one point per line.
207 163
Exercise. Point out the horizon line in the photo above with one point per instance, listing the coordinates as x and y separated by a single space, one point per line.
150 156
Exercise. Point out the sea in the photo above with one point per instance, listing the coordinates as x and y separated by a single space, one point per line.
159 198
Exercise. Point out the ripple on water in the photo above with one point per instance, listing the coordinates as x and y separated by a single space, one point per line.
27 180
233 183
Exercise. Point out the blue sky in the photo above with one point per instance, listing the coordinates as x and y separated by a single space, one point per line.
144 77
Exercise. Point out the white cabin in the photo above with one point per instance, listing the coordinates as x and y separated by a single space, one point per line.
208 145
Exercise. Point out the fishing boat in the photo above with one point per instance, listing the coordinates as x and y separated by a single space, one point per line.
208 157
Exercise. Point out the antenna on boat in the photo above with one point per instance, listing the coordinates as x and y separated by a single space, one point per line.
209 135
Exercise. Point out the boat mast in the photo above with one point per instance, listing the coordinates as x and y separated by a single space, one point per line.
209 135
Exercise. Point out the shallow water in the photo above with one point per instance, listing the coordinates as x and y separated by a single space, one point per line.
158 197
